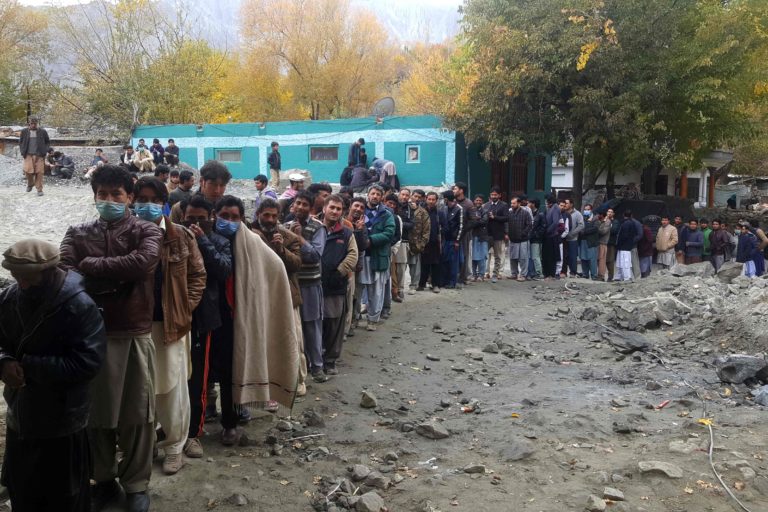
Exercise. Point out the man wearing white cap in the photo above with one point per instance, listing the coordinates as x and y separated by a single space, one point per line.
52 344
297 184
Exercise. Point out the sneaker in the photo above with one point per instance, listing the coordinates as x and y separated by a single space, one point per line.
244 416
229 437
385 314
494 279
436 289
319 377
137 502
103 493
331 370
40 194
29 189
420 289
173 463
193 449
370 327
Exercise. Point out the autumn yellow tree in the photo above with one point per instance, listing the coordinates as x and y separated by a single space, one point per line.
333 60
23 44
432 77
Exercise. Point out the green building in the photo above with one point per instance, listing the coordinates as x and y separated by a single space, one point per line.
424 152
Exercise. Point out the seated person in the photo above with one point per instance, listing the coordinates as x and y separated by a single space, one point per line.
64 166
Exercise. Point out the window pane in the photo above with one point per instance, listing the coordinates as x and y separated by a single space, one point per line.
229 155
323 153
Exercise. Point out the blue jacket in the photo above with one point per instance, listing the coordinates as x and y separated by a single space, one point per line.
694 242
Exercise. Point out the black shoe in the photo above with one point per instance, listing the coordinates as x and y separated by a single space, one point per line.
104 493
331 370
137 502
211 413
319 376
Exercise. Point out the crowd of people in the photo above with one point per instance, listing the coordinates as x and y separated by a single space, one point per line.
173 308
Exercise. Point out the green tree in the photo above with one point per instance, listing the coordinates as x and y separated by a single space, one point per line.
627 83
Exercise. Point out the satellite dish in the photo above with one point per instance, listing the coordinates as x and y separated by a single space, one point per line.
384 107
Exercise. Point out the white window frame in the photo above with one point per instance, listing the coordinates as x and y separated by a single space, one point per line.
408 150
218 159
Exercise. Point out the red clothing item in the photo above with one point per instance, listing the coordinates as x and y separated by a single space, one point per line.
645 245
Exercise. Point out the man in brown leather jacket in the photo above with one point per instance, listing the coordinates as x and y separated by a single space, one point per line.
287 245
179 285
117 254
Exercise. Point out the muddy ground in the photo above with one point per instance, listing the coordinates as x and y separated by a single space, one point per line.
559 415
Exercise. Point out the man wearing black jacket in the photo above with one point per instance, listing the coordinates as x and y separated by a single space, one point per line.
275 163
33 145
206 318
460 191
52 344
538 234
498 215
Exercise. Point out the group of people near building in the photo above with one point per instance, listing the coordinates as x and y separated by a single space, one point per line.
173 307
144 158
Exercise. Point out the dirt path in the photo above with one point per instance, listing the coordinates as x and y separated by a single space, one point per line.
577 419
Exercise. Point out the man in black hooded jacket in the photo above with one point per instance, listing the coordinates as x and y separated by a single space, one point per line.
52 344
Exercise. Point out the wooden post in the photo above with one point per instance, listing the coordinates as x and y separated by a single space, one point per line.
684 186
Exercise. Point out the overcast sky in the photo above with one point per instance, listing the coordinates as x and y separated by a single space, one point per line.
69 2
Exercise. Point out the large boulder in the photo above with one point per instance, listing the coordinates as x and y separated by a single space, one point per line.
703 269
730 271
738 368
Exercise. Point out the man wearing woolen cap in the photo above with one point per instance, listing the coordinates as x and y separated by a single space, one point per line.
52 344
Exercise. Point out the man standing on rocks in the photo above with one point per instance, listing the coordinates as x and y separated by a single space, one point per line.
46 366
356 218
498 215
287 246
179 285
645 249
313 243
693 243
604 234
572 238
216 252
380 223
460 191
681 228
519 232
274 161
625 242
118 254
706 253
666 240
214 177
430 258
451 227
719 240
33 146
338 263
416 237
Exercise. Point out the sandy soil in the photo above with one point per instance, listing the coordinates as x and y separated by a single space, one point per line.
586 418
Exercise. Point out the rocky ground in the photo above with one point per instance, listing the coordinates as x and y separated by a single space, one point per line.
541 396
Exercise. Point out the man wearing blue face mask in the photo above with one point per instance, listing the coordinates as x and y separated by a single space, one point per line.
117 254
179 284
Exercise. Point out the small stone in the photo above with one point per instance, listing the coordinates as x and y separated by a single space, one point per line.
594 504
397 478
655 466
747 473
369 502
313 419
652 385
360 472
474 469
432 358
238 500
491 348
519 449
284 426
377 480
549 355
445 404
391 456
609 493
432 430
368 400
616 478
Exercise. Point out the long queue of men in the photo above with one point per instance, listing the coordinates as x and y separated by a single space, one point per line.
114 341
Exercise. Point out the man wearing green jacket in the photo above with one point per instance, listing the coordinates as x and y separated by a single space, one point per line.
375 276
706 254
